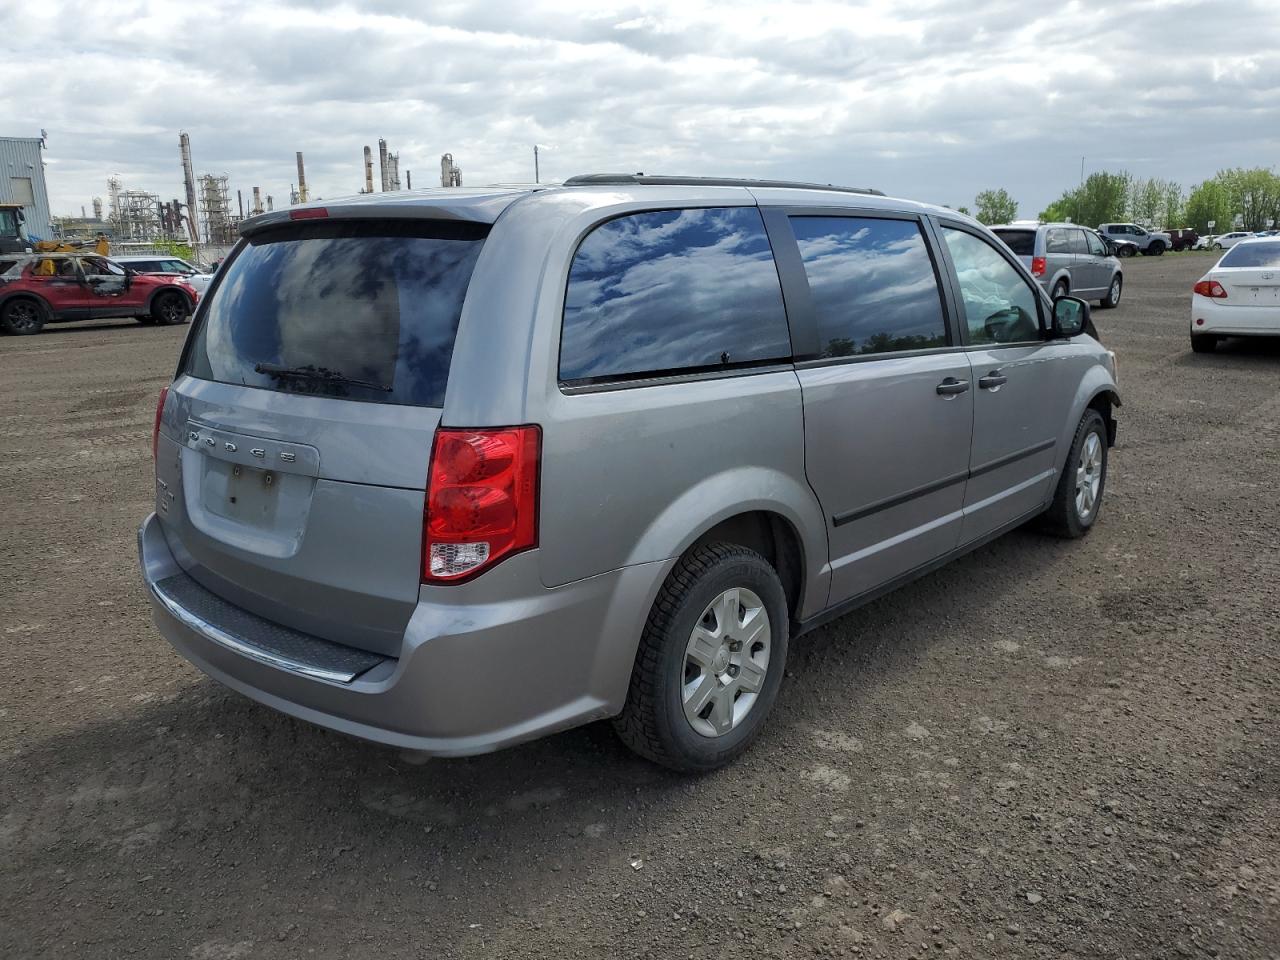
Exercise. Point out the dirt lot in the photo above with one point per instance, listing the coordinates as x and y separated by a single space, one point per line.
1044 750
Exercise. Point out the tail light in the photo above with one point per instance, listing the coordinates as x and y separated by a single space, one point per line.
482 500
1038 266
309 213
155 428
1210 288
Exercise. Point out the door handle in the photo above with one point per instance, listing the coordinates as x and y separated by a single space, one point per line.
950 387
992 380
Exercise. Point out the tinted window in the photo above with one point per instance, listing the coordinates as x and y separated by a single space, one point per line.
1057 241
359 310
1077 241
1021 242
1266 254
873 284
999 305
1096 246
672 290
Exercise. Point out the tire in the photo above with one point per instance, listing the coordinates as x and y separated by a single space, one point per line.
23 317
655 722
1113 293
1065 516
1060 290
170 308
1204 342
1125 252
1157 249
1217 246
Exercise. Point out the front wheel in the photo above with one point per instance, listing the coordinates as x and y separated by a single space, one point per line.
1157 249
710 660
1113 293
169 308
1217 246
1078 497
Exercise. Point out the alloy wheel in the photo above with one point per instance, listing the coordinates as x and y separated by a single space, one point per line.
1089 476
725 662
23 316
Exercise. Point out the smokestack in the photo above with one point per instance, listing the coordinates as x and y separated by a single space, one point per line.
368 170
83 214
240 203
302 181
257 201
408 179
270 205
382 163
189 182
97 208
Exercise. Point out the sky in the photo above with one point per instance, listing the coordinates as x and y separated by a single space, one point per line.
928 99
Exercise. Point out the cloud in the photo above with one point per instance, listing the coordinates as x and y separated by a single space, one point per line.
921 98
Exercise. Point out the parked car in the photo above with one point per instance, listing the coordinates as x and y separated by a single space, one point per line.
1226 241
1120 248
56 287
461 469
199 279
1205 242
1151 243
1067 259
1183 238
1239 296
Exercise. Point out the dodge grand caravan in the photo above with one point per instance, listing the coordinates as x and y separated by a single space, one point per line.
455 469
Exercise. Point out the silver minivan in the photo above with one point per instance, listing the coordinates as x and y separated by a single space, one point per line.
1067 259
454 469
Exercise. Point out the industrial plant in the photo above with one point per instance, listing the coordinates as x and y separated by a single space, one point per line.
207 214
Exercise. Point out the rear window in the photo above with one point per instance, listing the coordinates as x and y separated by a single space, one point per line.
1253 255
1021 242
672 291
363 310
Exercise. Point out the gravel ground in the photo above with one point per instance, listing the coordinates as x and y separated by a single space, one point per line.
1047 749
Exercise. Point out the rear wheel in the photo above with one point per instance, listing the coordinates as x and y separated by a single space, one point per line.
1203 342
1078 498
1060 289
169 308
1113 293
22 317
710 660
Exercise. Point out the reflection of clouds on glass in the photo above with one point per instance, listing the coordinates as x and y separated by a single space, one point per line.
872 283
999 306
672 289
379 309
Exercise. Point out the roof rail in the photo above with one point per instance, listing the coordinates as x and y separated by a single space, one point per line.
617 179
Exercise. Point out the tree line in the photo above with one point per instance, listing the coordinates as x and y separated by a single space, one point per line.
1251 196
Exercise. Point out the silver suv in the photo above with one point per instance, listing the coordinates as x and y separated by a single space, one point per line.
1067 259
455 469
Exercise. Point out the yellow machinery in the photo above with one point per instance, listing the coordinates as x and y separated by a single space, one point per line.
101 246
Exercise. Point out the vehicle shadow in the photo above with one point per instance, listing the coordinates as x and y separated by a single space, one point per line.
204 783
91 326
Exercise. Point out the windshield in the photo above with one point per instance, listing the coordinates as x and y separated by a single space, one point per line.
359 310
1021 242
1265 254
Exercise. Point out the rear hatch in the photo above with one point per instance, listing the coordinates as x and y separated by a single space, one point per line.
1250 273
1021 242
304 411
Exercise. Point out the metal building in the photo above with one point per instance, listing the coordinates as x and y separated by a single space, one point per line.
22 181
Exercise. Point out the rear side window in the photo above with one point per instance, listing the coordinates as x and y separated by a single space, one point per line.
1078 242
1253 255
360 310
1021 242
672 291
1057 241
873 285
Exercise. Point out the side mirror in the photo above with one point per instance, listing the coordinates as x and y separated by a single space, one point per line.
1070 317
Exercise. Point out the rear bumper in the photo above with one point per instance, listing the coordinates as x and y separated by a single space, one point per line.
1226 319
483 665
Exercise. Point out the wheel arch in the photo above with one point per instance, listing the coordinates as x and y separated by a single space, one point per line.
775 538
170 288
6 299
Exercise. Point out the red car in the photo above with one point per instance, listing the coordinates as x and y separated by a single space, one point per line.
41 288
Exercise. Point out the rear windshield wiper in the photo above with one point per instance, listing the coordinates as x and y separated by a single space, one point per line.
317 373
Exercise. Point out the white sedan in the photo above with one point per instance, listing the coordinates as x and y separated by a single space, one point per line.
1240 296
1228 240
160 264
